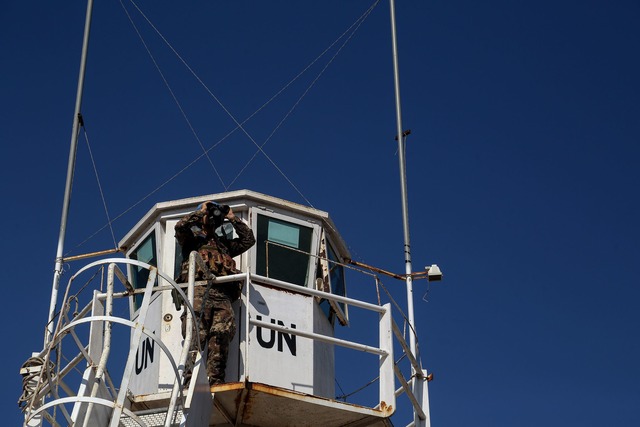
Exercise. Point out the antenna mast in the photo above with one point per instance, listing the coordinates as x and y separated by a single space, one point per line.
70 170
419 383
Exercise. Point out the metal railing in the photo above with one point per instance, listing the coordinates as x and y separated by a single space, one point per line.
387 327
97 397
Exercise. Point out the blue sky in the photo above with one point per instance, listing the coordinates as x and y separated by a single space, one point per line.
522 170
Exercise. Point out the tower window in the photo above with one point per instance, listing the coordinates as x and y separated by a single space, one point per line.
275 258
145 252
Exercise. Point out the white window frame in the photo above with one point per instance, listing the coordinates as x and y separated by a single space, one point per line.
315 240
343 316
156 229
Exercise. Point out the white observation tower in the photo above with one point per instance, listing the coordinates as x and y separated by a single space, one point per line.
117 355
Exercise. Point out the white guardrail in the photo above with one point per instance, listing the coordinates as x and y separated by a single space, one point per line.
98 312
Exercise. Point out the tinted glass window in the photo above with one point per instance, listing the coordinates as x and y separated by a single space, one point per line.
336 275
278 261
146 252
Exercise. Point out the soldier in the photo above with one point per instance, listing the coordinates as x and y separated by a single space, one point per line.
212 304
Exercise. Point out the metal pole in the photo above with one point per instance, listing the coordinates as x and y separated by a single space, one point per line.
418 419
57 272
403 178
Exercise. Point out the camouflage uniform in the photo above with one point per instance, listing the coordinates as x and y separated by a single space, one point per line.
217 324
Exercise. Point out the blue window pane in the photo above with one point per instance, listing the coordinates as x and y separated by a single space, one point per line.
336 275
274 258
146 252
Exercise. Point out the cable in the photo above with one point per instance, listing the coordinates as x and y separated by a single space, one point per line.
404 316
344 396
359 22
95 170
34 375
155 63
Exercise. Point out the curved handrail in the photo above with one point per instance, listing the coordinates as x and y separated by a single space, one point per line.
103 402
65 326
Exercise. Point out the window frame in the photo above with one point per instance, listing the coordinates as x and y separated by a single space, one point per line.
157 235
327 245
315 240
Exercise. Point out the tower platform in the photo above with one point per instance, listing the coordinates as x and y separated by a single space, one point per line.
261 405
